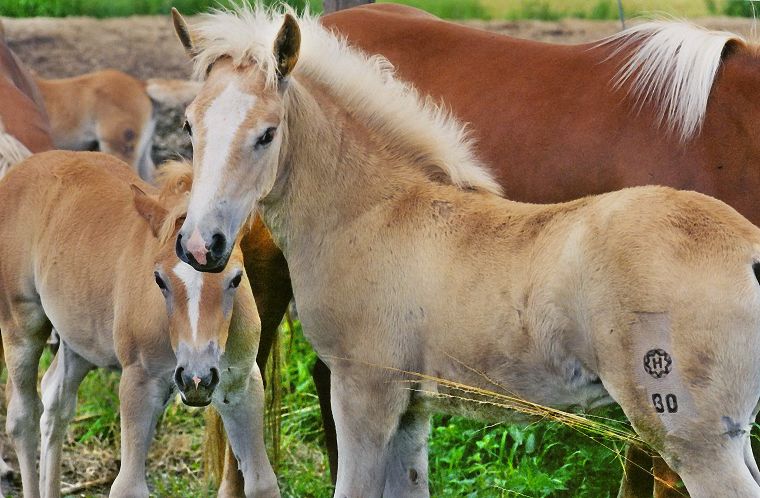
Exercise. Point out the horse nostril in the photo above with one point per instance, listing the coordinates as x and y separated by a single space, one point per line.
181 254
178 379
218 245
214 378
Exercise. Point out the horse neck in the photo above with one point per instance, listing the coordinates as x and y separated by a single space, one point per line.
335 168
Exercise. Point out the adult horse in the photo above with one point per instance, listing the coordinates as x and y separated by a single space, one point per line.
397 242
68 222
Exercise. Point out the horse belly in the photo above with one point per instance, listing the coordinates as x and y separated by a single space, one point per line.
90 335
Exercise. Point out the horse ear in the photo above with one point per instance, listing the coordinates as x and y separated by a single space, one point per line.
153 212
183 32
287 45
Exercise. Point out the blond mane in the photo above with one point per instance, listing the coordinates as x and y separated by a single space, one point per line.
174 178
365 85
672 65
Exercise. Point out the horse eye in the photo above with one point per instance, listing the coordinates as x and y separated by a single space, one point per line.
266 138
188 128
236 281
159 281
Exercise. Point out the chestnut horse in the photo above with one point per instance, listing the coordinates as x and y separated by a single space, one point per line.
111 111
87 251
398 241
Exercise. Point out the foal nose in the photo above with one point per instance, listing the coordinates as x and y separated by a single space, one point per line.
196 387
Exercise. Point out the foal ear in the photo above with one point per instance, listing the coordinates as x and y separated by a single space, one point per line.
183 32
286 46
153 212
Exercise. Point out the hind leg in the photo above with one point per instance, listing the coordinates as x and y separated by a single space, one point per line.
23 348
59 398
407 469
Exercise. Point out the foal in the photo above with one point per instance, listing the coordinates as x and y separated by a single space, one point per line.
404 258
72 233
111 111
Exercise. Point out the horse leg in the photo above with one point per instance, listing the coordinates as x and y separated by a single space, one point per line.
23 348
59 398
367 412
321 375
142 399
407 470
243 416
5 470
637 475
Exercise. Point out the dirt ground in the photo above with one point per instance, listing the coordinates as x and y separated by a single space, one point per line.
146 47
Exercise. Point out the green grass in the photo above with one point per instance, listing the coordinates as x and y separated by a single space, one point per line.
449 9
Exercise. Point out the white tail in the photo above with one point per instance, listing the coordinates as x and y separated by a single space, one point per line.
177 93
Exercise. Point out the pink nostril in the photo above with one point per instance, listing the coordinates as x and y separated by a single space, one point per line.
196 381
197 247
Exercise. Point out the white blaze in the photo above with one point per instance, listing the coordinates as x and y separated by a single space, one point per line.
193 281
221 123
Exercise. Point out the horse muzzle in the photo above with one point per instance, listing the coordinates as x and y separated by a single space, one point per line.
195 388
211 257
197 373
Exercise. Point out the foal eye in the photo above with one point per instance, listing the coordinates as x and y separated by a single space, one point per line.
266 138
159 281
188 128
236 281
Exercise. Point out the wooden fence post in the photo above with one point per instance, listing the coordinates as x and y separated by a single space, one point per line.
333 5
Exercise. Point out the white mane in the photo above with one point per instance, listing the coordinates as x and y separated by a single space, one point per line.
364 84
673 67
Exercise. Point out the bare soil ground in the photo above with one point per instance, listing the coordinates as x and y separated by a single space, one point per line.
146 47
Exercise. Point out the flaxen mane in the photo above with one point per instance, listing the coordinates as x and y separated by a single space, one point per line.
174 178
673 67
364 84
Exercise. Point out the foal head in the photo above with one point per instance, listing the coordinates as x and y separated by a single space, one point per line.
199 305
237 125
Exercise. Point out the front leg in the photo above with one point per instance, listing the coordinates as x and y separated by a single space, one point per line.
243 415
142 399
367 408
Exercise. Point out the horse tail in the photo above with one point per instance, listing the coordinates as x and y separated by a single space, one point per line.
12 152
175 93
214 446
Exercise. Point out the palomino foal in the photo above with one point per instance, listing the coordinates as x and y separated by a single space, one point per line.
85 253
404 259
111 111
